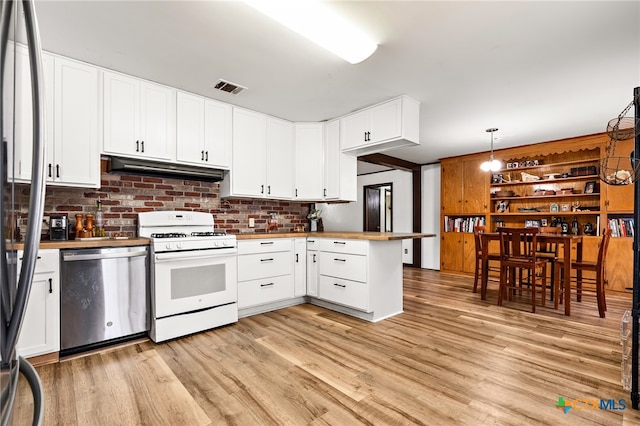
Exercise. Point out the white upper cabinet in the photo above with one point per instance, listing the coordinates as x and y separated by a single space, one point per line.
248 173
340 170
280 157
262 157
71 124
309 148
204 131
385 126
139 118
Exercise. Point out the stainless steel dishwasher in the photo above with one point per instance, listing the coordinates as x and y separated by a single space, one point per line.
104 296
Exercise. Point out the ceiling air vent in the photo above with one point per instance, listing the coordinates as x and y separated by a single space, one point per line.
227 86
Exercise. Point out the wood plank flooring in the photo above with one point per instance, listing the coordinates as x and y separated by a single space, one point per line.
449 359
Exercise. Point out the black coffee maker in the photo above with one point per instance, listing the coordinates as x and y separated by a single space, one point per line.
58 229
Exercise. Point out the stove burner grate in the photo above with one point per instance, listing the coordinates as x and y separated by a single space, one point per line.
209 234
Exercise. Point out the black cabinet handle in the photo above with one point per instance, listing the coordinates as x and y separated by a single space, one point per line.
314 258
57 170
296 192
339 260
50 170
206 156
365 136
266 285
267 260
137 146
142 145
266 243
339 285
268 189
325 192
50 285
297 258
339 242
202 155
262 189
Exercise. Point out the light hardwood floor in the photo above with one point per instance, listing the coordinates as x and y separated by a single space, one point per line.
449 359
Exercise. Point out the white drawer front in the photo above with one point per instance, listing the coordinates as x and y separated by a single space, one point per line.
344 246
349 293
313 243
347 266
259 292
263 265
48 261
264 246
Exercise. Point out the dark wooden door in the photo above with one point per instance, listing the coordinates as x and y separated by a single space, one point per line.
372 215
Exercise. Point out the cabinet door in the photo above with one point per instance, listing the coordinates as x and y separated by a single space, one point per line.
309 164
249 153
312 273
619 198
300 267
279 158
340 170
40 333
451 251
468 253
190 128
385 121
474 191
24 115
451 185
217 134
352 130
76 152
121 115
157 121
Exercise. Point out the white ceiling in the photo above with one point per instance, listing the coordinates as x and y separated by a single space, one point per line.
537 70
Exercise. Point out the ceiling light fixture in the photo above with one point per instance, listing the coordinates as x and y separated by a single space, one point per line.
491 165
320 24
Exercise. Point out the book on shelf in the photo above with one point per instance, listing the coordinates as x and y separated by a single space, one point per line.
621 227
462 224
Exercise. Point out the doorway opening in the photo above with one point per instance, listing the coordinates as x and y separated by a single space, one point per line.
377 207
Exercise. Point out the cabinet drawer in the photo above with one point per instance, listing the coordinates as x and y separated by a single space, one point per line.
344 246
259 292
263 265
48 261
344 292
264 246
313 243
347 266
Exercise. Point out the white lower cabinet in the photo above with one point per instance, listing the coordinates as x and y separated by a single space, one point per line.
265 271
40 333
300 267
312 267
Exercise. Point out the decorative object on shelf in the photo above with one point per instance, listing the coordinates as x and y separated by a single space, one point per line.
532 223
492 164
566 191
543 222
575 228
528 210
551 176
497 178
564 227
544 192
527 177
505 193
565 207
590 187
588 229
502 206
575 206
554 208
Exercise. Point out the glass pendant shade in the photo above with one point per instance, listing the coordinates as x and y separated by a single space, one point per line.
492 165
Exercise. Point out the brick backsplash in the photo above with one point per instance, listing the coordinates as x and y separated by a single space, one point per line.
124 196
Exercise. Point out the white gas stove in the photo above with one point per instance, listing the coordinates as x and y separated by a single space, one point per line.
194 278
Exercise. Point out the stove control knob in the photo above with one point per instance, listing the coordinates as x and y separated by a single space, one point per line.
168 246
179 246
216 243
225 242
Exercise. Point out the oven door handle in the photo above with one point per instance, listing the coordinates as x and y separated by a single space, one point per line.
193 255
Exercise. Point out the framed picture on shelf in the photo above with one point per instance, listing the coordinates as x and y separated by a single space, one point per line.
554 207
497 178
565 207
502 206
590 187
535 223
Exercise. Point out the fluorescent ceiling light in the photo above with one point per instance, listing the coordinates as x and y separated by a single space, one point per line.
320 24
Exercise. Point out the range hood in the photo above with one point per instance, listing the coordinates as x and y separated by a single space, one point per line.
167 170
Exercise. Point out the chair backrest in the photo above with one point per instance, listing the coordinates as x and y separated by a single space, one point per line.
477 230
518 242
602 251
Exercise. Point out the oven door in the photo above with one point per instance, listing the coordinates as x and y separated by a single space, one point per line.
193 280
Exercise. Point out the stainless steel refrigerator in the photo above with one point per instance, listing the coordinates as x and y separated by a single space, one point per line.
18 26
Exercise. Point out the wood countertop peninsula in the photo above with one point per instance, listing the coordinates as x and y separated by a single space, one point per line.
375 236
79 244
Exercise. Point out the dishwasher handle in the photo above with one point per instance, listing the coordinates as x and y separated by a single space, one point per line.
71 257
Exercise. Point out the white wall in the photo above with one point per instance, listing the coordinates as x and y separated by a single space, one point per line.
431 216
349 216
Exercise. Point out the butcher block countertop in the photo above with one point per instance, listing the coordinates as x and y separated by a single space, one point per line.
376 236
77 244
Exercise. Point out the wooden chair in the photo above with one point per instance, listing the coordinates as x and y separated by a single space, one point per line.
549 252
598 268
477 230
518 252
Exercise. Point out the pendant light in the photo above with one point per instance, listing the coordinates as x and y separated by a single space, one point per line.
493 164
